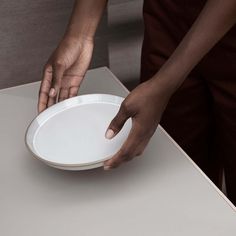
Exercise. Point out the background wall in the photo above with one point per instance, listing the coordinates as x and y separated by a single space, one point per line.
126 35
30 30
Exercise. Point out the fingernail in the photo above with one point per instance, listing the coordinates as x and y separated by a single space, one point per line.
109 134
52 92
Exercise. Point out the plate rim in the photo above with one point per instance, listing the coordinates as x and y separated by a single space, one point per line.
56 164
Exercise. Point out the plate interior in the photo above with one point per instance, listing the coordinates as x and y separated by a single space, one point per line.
75 135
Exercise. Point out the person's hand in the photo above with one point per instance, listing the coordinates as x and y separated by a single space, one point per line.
144 105
65 71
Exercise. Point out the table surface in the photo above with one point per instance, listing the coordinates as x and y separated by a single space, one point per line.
161 193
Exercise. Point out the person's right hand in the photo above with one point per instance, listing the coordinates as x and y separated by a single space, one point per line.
65 71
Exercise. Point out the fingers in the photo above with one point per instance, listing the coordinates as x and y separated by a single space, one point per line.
118 122
45 88
50 86
73 91
63 94
68 93
133 146
58 71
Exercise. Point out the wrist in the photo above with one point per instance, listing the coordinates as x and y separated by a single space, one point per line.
158 90
167 82
78 36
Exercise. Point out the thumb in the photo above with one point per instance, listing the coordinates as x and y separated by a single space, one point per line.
117 123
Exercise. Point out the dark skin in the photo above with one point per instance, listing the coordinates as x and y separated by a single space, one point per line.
145 104
66 67
65 71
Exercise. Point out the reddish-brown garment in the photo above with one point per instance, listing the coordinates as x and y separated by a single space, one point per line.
201 115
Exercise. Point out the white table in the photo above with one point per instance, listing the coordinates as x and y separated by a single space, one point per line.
163 193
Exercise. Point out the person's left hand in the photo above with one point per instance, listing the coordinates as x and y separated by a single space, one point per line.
144 105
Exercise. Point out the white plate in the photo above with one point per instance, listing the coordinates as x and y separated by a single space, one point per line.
71 134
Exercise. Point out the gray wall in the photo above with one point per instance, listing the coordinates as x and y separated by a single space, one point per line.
126 35
30 30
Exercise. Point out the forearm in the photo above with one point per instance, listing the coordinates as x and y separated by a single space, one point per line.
215 20
85 18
